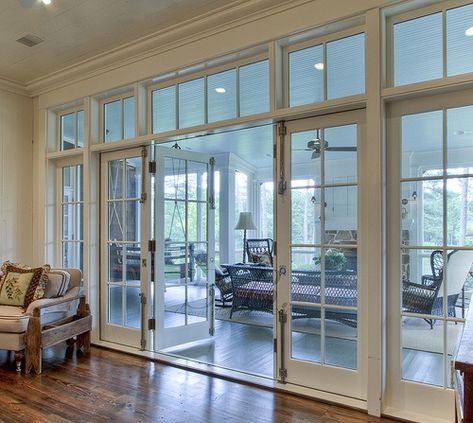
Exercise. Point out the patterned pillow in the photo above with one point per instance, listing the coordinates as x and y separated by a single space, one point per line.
39 291
19 285
264 258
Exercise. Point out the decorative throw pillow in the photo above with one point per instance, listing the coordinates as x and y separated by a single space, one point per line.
264 258
58 283
19 285
40 287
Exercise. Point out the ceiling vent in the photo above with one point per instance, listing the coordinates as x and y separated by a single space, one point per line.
30 40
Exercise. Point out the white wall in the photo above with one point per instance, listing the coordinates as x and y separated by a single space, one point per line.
16 177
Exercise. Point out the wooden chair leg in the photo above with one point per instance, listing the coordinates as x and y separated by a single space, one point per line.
18 358
33 346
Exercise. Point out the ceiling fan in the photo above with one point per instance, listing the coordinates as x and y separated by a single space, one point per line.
315 145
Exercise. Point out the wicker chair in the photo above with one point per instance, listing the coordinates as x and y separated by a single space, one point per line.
427 297
257 247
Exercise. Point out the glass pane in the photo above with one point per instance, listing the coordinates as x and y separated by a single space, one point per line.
196 221
133 307
175 220
460 211
80 128
422 351
133 177
113 121
163 103
454 332
115 305
340 154
129 117
306 76
175 178
68 222
197 181
68 131
132 220
115 179
115 262
191 103
72 254
174 306
341 338
254 88
421 279
421 141
305 334
422 213
346 66
340 277
132 262
458 276
71 186
116 221
460 140
305 215
418 49
341 213
221 96
459 41
305 157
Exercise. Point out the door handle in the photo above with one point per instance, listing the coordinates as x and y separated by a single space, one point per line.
282 270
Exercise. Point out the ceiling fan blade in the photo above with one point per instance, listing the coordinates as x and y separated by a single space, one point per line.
315 155
340 148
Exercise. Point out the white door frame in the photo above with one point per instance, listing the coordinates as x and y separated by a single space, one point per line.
412 400
351 383
166 337
133 337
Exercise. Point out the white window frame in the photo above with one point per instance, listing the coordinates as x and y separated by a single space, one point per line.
103 102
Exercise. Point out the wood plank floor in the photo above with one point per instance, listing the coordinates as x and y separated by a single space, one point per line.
109 386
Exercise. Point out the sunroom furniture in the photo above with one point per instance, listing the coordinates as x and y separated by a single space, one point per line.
253 289
427 296
61 315
259 248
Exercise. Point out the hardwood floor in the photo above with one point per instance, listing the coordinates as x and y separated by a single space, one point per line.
110 386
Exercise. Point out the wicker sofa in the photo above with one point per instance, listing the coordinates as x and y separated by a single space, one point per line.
253 289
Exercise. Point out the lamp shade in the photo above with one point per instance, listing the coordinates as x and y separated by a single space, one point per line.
245 221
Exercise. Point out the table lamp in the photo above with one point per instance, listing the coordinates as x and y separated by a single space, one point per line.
245 223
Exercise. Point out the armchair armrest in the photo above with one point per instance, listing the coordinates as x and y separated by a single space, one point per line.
34 309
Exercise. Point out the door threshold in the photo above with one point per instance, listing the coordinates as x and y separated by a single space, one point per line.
238 376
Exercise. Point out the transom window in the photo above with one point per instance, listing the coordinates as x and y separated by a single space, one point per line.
419 43
71 130
119 119
240 91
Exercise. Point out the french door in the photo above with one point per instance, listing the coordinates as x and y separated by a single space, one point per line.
182 224
319 284
430 250
124 278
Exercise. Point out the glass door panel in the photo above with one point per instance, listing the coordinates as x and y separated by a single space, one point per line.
184 231
320 289
121 283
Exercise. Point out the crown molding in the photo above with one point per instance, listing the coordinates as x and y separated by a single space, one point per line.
180 34
13 87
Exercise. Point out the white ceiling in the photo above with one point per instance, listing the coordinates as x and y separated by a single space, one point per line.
77 30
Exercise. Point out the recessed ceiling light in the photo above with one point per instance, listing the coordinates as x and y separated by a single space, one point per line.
220 90
469 32
46 2
319 66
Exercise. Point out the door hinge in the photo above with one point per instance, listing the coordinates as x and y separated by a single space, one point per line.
151 324
152 167
275 148
275 345
275 248
152 246
282 316
212 161
282 129
283 375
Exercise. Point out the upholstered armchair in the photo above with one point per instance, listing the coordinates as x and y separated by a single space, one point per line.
61 315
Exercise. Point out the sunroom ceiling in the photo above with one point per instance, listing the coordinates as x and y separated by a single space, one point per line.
77 30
